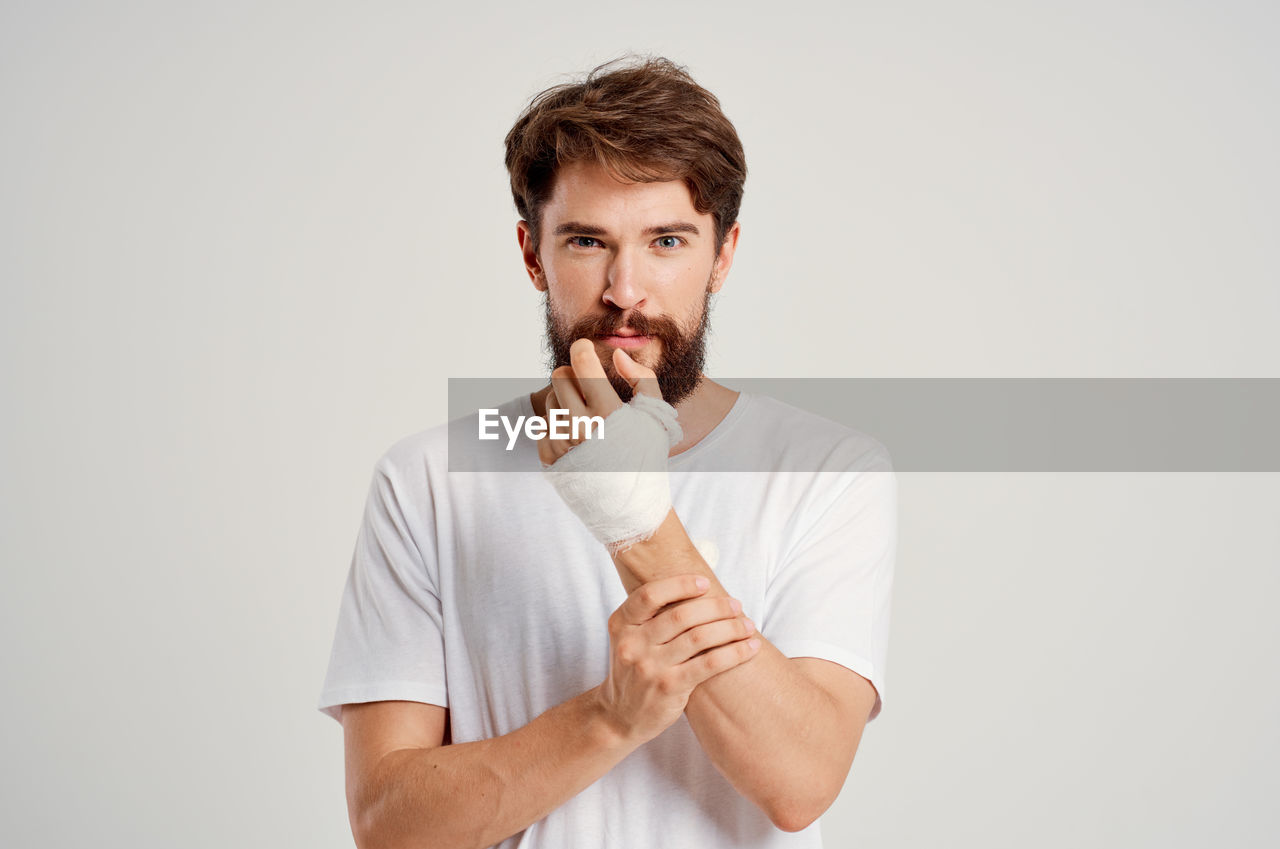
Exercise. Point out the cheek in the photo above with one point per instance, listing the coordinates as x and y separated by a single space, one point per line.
574 280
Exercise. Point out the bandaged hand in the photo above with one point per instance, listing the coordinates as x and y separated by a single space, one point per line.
616 485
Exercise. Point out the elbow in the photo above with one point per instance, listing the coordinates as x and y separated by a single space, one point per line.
366 830
798 812
371 831
367 836
375 840
369 840
806 798
799 809
362 832
367 833
373 811
793 818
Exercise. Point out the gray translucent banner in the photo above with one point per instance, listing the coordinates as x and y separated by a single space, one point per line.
981 424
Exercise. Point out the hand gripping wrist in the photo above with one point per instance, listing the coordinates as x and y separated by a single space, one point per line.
617 485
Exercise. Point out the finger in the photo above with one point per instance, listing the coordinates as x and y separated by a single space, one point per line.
669 624
641 379
599 394
553 403
567 394
709 664
708 636
646 600
549 449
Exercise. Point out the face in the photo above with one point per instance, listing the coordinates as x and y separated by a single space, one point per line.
630 265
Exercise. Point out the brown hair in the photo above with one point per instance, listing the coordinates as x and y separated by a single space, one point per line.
644 123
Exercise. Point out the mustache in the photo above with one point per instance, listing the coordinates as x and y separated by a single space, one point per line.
659 327
679 371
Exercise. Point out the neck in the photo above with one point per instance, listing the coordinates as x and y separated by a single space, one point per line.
699 413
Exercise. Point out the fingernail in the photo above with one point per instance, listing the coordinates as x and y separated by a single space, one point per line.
702 583
753 644
751 626
736 605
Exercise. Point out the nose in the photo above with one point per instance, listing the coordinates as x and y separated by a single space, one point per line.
625 289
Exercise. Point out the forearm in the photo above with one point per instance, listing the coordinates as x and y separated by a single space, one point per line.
478 794
765 726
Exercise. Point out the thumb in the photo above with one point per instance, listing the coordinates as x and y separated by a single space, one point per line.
640 378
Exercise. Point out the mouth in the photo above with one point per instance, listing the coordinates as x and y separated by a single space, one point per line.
625 339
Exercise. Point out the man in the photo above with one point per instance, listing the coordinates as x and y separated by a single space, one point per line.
523 658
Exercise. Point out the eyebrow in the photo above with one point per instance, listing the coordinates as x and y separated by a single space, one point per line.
578 228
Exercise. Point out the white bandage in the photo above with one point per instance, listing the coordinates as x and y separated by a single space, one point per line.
617 485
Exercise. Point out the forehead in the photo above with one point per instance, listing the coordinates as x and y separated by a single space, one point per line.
585 191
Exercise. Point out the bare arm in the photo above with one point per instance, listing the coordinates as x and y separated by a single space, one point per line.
783 731
406 789
468 794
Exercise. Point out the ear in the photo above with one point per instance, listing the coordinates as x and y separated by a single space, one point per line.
724 259
532 265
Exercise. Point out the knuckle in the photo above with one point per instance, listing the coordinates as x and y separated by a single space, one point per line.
731 655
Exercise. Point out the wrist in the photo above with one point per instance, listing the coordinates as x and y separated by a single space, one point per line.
604 726
669 551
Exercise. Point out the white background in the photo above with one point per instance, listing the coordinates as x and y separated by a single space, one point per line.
244 245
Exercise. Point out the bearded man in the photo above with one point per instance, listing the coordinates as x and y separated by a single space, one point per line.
542 655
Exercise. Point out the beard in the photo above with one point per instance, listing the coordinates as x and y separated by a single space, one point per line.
684 349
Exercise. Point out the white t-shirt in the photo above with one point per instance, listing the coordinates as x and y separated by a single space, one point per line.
483 593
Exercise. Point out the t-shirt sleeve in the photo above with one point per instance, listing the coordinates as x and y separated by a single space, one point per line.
830 595
389 640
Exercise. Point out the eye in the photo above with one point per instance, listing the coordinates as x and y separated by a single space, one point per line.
676 239
576 241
